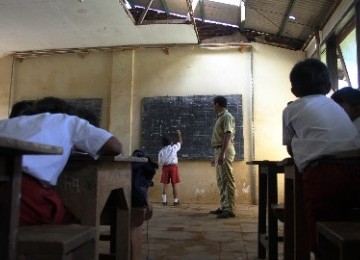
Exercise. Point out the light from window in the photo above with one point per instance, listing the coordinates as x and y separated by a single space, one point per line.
348 51
229 2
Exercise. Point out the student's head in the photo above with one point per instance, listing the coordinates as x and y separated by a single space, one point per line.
53 105
349 99
310 77
20 108
165 141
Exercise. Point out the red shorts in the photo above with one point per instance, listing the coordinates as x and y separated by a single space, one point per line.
169 174
331 190
42 205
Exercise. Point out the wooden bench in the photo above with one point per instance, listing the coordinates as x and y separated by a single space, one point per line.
109 218
338 240
56 242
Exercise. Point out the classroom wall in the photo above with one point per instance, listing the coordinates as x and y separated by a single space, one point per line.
123 78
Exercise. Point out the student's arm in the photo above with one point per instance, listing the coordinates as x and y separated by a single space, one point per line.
178 136
112 147
224 147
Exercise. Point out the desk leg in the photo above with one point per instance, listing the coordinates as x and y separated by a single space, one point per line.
262 213
272 219
123 234
289 217
10 207
301 242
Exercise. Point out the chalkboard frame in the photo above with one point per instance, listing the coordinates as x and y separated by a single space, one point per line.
194 116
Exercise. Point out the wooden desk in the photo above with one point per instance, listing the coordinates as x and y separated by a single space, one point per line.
295 238
11 151
268 195
85 186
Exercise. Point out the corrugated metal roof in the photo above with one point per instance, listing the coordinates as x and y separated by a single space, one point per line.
263 17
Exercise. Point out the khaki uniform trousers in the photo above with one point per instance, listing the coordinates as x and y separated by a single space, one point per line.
225 179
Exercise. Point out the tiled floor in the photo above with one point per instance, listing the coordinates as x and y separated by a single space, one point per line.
189 232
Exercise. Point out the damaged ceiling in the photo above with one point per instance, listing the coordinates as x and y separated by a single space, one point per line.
284 23
42 25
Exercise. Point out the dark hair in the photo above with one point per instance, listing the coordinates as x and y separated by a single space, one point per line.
309 77
221 101
20 108
53 105
347 95
165 141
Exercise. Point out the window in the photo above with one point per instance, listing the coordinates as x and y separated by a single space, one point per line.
348 56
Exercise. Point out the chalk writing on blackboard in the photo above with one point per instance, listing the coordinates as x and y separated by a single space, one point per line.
194 116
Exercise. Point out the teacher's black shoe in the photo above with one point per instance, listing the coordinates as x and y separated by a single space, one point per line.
216 212
226 214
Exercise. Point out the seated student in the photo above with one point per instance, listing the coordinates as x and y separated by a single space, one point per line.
349 99
50 123
314 126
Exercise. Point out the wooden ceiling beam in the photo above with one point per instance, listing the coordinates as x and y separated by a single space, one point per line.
144 12
285 18
165 6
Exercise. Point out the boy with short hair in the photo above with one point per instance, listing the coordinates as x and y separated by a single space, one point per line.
168 159
314 126
349 99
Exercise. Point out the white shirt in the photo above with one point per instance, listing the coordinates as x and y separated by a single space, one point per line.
356 122
168 154
53 129
316 126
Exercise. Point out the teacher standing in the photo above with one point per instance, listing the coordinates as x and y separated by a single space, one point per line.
222 142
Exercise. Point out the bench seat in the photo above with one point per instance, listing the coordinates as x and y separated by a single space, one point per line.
56 242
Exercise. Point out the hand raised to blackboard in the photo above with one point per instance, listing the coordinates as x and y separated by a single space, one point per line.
178 137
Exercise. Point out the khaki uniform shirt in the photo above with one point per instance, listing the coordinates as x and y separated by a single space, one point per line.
225 123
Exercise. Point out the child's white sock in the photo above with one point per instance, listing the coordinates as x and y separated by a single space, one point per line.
163 197
176 200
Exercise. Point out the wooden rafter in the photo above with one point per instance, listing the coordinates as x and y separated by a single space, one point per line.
144 12
285 18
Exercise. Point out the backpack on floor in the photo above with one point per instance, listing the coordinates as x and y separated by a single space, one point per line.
142 176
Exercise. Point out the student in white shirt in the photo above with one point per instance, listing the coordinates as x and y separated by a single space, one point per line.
40 203
168 159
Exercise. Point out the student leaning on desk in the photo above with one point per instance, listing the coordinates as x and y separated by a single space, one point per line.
314 127
49 121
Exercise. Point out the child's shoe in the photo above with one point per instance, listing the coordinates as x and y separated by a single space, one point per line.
176 204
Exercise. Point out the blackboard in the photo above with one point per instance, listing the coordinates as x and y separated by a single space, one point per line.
194 116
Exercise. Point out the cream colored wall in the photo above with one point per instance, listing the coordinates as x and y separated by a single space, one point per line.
193 71
64 76
272 67
5 85
123 78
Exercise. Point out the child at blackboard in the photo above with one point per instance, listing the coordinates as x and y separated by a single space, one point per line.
168 159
